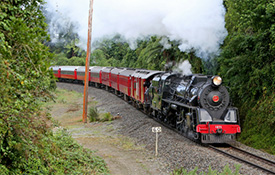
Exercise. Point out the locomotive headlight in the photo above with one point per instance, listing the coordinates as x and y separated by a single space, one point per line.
216 80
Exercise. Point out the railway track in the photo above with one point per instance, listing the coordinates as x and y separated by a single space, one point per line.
263 164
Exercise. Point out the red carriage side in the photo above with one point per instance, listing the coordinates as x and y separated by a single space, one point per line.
125 81
95 74
105 77
115 78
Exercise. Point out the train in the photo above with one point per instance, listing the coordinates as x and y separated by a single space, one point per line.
196 105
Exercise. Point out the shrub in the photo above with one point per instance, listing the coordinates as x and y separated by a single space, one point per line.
107 117
93 114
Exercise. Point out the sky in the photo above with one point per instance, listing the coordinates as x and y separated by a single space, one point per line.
198 24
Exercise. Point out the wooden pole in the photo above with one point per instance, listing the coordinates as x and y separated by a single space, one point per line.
86 83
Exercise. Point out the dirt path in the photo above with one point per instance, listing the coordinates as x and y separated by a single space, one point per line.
121 154
119 160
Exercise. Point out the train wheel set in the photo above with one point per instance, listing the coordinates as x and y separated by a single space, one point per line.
198 106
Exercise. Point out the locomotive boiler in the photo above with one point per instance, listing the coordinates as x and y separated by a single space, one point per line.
197 105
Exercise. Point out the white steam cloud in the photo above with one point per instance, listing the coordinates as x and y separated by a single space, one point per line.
198 24
184 68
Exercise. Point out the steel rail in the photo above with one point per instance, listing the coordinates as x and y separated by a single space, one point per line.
270 162
242 160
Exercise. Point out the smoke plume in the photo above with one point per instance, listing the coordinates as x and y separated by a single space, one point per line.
184 68
198 24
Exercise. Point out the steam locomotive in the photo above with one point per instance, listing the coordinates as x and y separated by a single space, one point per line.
196 105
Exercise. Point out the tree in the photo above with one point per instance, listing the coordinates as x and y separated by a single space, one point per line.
248 67
248 55
25 79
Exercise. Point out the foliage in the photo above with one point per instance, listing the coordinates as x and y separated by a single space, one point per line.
148 54
93 114
107 117
25 79
27 144
248 58
58 153
226 171
248 66
261 136
62 60
73 158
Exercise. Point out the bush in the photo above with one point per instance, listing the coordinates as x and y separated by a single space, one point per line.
260 136
93 114
107 117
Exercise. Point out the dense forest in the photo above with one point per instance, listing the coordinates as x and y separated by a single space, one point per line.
246 63
28 145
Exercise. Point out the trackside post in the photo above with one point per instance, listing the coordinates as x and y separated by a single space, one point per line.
156 130
86 83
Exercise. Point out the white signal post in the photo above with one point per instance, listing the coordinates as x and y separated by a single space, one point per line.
156 130
86 83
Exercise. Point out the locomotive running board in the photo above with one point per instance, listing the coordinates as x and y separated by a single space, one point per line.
178 104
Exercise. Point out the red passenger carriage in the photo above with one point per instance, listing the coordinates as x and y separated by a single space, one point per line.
115 78
105 77
95 74
125 82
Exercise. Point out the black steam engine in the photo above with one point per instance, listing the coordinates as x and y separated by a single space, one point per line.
197 105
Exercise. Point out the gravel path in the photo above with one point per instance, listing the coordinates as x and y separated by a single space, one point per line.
174 150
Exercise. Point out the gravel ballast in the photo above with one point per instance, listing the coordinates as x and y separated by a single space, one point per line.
174 151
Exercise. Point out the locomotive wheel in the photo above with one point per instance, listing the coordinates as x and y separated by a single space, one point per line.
160 116
137 105
150 112
134 103
146 110
125 97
